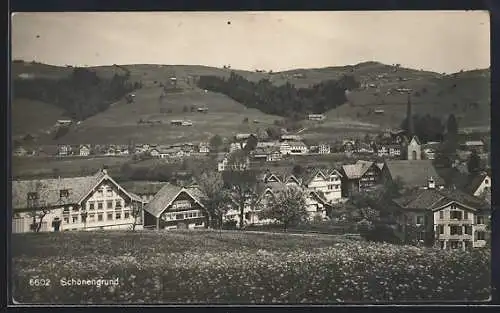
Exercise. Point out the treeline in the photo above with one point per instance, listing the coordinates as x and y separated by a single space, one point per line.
285 100
80 95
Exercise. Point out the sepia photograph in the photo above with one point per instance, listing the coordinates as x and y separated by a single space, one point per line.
250 158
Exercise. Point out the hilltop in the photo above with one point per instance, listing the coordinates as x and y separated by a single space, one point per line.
465 94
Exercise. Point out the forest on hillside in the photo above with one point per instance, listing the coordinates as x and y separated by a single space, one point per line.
285 100
81 95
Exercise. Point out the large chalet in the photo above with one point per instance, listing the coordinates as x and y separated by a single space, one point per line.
359 177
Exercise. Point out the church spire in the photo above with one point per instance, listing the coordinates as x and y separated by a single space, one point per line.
409 118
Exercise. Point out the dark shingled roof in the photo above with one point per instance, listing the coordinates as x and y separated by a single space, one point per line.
413 173
167 195
429 199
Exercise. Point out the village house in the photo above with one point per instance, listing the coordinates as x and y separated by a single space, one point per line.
364 148
64 150
447 219
348 146
472 145
204 147
479 184
175 207
291 138
293 148
20 151
243 136
316 117
359 177
411 173
326 182
394 150
235 146
223 163
84 150
382 151
324 148
76 203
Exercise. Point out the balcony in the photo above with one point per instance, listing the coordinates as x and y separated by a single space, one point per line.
455 221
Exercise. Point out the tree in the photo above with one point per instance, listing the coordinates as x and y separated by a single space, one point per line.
251 144
474 163
243 189
288 208
215 143
37 207
136 213
215 198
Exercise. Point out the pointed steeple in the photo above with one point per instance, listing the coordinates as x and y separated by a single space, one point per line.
409 118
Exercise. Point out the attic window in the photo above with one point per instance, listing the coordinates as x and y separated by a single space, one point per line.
64 193
32 195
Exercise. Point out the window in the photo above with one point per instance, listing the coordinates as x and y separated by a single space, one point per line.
441 229
330 187
91 218
441 244
109 205
414 155
481 235
64 193
199 223
466 216
441 215
66 220
110 216
100 192
247 216
126 215
32 195
109 192
456 215
179 216
74 219
118 216
99 205
468 229
420 220
118 204
486 181
76 208
420 235
480 219
91 206
455 230
454 244
99 217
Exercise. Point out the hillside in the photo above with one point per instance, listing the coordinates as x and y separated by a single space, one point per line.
433 94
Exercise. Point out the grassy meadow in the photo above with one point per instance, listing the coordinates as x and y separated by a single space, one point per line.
234 267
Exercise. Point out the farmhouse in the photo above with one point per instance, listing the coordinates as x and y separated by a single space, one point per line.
411 173
316 117
20 151
326 182
175 207
448 219
293 148
76 203
64 150
358 177
324 149
204 147
84 150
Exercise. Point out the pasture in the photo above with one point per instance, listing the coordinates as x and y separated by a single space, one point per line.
235 267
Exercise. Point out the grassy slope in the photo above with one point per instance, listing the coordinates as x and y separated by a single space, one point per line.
232 267
119 123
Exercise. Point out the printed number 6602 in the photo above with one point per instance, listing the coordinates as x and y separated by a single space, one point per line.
39 282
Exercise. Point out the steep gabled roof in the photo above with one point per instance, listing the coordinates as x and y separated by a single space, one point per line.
413 173
431 199
167 194
309 176
357 170
49 190
476 182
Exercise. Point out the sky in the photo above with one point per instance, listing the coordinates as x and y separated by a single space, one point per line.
440 41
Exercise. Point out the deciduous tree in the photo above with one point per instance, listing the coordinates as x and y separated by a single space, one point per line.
288 208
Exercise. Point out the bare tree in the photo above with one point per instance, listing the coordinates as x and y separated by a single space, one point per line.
288 208
37 206
215 196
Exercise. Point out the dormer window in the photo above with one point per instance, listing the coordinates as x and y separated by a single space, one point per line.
32 195
64 193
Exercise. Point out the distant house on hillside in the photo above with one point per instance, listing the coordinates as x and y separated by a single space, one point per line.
64 150
243 136
471 145
204 147
324 149
293 148
176 122
479 184
84 150
291 138
20 151
316 117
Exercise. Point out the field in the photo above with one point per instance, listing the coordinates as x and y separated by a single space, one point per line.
438 95
30 167
239 268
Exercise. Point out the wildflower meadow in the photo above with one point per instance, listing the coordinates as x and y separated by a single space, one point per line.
235 267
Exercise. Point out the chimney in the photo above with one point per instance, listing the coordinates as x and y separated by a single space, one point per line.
409 118
104 171
430 183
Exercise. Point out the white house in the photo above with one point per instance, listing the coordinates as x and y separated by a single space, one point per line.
327 182
84 150
204 147
316 117
324 149
455 221
76 203
293 148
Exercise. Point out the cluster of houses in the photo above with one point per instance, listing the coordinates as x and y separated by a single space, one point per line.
453 218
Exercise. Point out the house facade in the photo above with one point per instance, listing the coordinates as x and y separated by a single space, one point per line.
76 203
327 182
447 219
84 150
175 207
316 117
359 177
293 148
204 147
324 149
64 150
